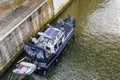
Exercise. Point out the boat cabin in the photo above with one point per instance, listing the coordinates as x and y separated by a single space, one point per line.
51 39
48 43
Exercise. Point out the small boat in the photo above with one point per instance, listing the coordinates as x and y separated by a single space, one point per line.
45 51
25 68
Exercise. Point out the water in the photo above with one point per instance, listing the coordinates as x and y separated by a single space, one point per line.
95 52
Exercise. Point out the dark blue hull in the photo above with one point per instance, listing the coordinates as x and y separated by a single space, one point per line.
54 58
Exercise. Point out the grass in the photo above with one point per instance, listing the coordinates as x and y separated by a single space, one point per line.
15 7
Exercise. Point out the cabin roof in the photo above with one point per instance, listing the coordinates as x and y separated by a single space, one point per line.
49 37
53 33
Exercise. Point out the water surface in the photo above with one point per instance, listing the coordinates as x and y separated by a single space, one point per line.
95 52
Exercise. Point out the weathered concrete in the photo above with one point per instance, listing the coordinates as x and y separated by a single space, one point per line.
7 6
17 27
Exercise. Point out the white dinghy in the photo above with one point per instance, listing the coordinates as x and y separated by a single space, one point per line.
25 68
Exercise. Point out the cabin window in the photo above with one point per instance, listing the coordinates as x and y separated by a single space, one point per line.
47 48
40 55
33 51
55 47
1 55
60 42
51 41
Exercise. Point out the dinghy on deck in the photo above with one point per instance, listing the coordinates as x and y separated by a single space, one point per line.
25 68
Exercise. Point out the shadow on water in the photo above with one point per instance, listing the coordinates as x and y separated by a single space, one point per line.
94 53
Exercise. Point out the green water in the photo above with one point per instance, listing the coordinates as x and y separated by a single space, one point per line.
95 52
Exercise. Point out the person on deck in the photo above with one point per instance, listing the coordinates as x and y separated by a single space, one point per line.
34 40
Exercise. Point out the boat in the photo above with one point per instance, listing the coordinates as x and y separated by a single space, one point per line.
44 51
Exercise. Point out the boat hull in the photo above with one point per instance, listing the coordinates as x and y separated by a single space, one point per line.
67 27
43 70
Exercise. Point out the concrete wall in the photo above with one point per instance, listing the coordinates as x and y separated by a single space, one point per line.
11 1
3 1
59 4
11 45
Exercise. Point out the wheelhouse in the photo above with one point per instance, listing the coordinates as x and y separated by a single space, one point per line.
50 39
47 43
